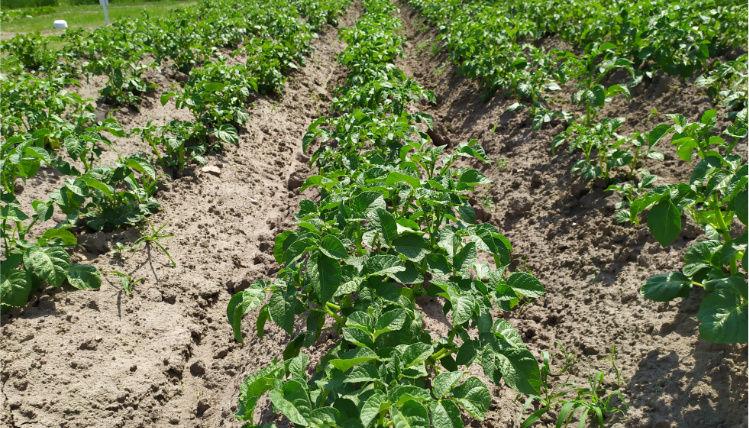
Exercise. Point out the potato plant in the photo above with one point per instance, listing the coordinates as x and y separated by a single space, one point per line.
392 225
715 195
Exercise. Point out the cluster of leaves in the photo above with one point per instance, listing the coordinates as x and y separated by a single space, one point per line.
31 103
715 195
41 121
99 197
392 223
10 15
125 84
188 37
592 402
490 42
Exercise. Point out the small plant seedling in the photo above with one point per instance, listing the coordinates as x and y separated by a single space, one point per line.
439 71
501 163
488 202
435 49
126 280
593 401
154 237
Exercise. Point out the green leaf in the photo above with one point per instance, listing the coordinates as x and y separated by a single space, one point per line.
84 277
444 382
242 303
368 201
411 415
214 86
412 246
98 185
226 133
75 146
332 247
51 264
472 177
44 211
664 222
465 259
281 308
462 307
325 276
402 393
358 337
280 245
293 402
657 134
262 317
372 408
384 223
741 205
354 357
723 317
395 177
12 213
166 96
437 264
597 96
446 414
467 213
503 329
15 287
526 284
520 370
416 353
363 373
383 264
141 166
474 396
666 287
325 416
391 320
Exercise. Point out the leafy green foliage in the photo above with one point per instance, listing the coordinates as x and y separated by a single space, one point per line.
392 223
593 402
714 197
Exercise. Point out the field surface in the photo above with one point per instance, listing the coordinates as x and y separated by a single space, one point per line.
165 355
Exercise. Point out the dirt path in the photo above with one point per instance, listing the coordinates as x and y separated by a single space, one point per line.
564 230
165 356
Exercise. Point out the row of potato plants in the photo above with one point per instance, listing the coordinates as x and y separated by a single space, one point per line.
44 124
391 225
60 131
638 39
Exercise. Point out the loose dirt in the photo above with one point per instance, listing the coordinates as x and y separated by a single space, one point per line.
165 355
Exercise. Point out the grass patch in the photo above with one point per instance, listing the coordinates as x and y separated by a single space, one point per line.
87 16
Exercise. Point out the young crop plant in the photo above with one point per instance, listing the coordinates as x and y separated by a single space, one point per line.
30 262
217 95
125 83
30 104
589 70
726 85
593 402
392 224
605 150
715 195
178 142
31 51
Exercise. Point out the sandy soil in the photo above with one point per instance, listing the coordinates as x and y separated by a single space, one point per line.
165 355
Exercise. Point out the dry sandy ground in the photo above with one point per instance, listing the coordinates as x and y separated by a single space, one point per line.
165 355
